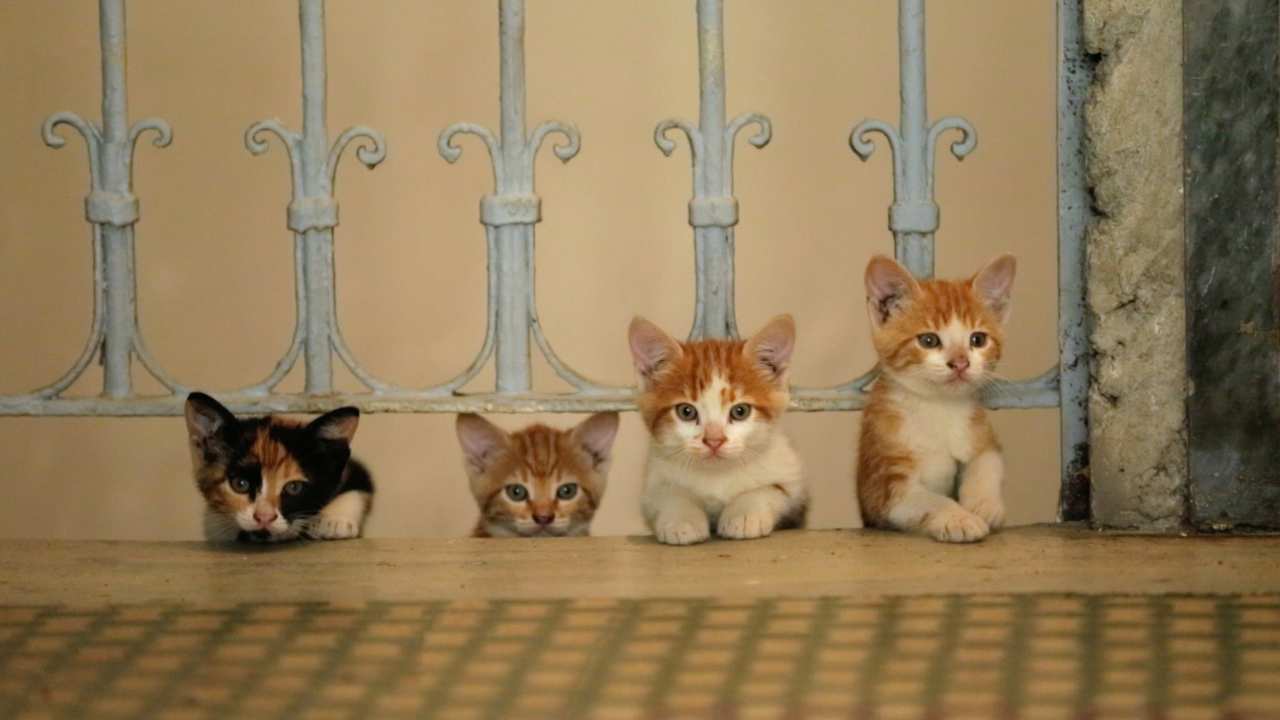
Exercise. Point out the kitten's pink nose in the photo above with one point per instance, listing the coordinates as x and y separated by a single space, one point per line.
264 517
713 442
543 519
959 364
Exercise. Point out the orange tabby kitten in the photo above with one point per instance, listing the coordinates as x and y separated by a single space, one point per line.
539 481
717 456
938 342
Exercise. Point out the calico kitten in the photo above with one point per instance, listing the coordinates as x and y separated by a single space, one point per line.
717 457
271 479
938 342
539 481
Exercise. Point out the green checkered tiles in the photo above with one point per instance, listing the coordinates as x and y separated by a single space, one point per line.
1034 657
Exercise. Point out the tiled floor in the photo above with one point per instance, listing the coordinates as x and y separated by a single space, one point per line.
994 656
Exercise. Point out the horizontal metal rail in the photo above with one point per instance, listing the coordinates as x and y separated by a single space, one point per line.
509 215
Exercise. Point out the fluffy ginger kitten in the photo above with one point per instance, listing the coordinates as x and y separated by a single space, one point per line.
938 343
540 481
717 457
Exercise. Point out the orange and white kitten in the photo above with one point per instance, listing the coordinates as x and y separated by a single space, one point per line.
938 343
539 481
717 457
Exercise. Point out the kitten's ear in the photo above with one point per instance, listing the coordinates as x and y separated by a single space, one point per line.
336 425
994 285
482 442
650 347
595 436
889 288
207 418
771 347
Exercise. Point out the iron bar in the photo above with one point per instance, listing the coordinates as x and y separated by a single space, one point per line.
713 211
1074 214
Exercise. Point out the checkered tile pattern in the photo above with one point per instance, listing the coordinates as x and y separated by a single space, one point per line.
1034 657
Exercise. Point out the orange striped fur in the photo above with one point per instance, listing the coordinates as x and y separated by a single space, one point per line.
939 342
544 462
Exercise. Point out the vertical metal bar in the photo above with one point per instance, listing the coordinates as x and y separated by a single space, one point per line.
713 244
1074 75
913 217
713 210
514 242
117 239
911 246
317 241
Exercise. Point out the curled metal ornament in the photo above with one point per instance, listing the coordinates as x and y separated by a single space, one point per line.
763 135
566 150
256 144
164 133
863 146
451 152
92 138
371 150
960 147
668 146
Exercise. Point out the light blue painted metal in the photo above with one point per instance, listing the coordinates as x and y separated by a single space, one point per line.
913 217
509 215
313 212
713 211
112 208
1074 214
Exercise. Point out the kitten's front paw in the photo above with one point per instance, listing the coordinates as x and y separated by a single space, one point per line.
990 509
745 524
680 531
333 528
956 525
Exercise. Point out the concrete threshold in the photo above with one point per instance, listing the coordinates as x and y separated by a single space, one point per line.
794 564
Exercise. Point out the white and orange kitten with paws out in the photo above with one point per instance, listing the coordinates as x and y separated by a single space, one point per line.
938 342
717 458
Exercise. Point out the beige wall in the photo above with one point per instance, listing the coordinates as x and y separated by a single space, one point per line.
214 266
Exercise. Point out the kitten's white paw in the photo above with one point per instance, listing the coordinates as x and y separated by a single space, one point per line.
679 530
328 527
956 525
990 509
745 523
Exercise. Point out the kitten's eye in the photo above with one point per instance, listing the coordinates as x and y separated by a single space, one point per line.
293 487
929 340
240 485
741 411
567 491
518 493
978 339
686 412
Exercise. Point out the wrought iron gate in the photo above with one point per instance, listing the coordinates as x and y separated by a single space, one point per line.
509 216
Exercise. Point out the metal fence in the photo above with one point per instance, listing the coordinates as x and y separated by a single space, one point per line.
509 216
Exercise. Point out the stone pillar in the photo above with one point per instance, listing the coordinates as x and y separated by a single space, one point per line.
1137 418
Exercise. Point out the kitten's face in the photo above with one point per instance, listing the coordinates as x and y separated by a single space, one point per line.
712 402
539 481
939 337
264 478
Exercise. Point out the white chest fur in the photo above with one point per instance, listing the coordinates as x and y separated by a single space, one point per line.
939 434
714 485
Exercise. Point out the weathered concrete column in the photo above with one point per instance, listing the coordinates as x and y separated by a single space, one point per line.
1137 415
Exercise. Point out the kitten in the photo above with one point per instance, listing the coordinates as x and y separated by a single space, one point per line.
271 479
717 456
539 481
938 343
